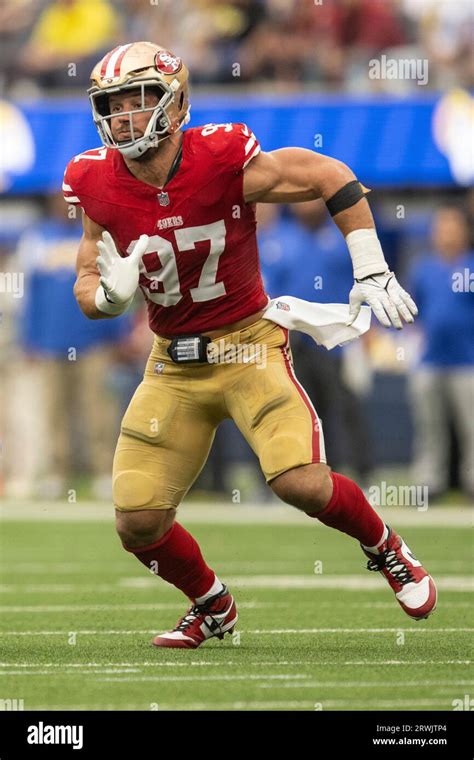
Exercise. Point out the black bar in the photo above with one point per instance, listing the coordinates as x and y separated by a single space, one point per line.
315 734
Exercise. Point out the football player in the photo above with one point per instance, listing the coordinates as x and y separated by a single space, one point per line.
172 212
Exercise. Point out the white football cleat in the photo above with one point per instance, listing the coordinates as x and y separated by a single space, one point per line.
216 616
413 586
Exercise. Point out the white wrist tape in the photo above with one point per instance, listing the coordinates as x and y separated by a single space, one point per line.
114 309
366 253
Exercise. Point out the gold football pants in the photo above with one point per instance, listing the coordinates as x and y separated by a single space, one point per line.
170 423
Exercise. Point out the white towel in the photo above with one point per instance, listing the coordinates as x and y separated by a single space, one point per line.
325 322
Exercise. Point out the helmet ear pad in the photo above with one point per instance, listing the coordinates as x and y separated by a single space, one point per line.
174 126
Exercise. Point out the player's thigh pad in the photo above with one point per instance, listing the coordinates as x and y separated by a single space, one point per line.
162 447
276 416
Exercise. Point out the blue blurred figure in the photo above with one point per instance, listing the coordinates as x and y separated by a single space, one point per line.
442 385
63 384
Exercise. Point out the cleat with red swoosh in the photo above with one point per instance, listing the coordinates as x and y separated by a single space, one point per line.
413 586
215 617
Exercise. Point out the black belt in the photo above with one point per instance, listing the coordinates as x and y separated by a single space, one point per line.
189 348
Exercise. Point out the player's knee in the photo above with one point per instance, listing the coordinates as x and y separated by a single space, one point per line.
308 487
143 526
135 491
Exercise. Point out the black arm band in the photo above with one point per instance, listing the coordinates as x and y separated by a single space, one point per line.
346 197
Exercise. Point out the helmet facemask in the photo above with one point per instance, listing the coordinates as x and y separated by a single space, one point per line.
159 124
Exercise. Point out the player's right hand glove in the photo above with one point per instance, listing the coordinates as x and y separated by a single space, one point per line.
118 276
386 297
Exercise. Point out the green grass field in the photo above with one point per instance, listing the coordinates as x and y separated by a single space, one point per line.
78 614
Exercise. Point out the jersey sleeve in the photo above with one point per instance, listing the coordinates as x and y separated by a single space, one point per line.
84 178
72 184
245 147
233 145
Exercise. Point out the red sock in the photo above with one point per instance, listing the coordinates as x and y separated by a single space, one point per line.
177 558
349 511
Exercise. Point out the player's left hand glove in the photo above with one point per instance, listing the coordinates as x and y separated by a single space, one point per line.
119 276
386 298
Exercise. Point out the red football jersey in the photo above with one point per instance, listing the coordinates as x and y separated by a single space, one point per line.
201 269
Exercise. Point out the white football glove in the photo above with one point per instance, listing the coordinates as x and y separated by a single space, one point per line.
118 276
386 298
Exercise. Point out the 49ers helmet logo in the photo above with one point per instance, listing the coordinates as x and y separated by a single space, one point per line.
167 63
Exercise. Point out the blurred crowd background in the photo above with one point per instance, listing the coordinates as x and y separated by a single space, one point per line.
288 43
394 405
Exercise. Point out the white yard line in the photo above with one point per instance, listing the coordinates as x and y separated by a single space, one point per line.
359 630
228 514
372 684
49 567
77 666
250 567
140 632
78 633
296 684
207 677
152 606
75 587
368 582
313 705
229 663
145 707
394 686
60 588
50 673
250 705
355 583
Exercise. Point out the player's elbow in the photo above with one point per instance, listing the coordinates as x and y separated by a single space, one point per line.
334 175
342 171
84 301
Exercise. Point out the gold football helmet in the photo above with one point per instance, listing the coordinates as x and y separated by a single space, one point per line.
140 65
